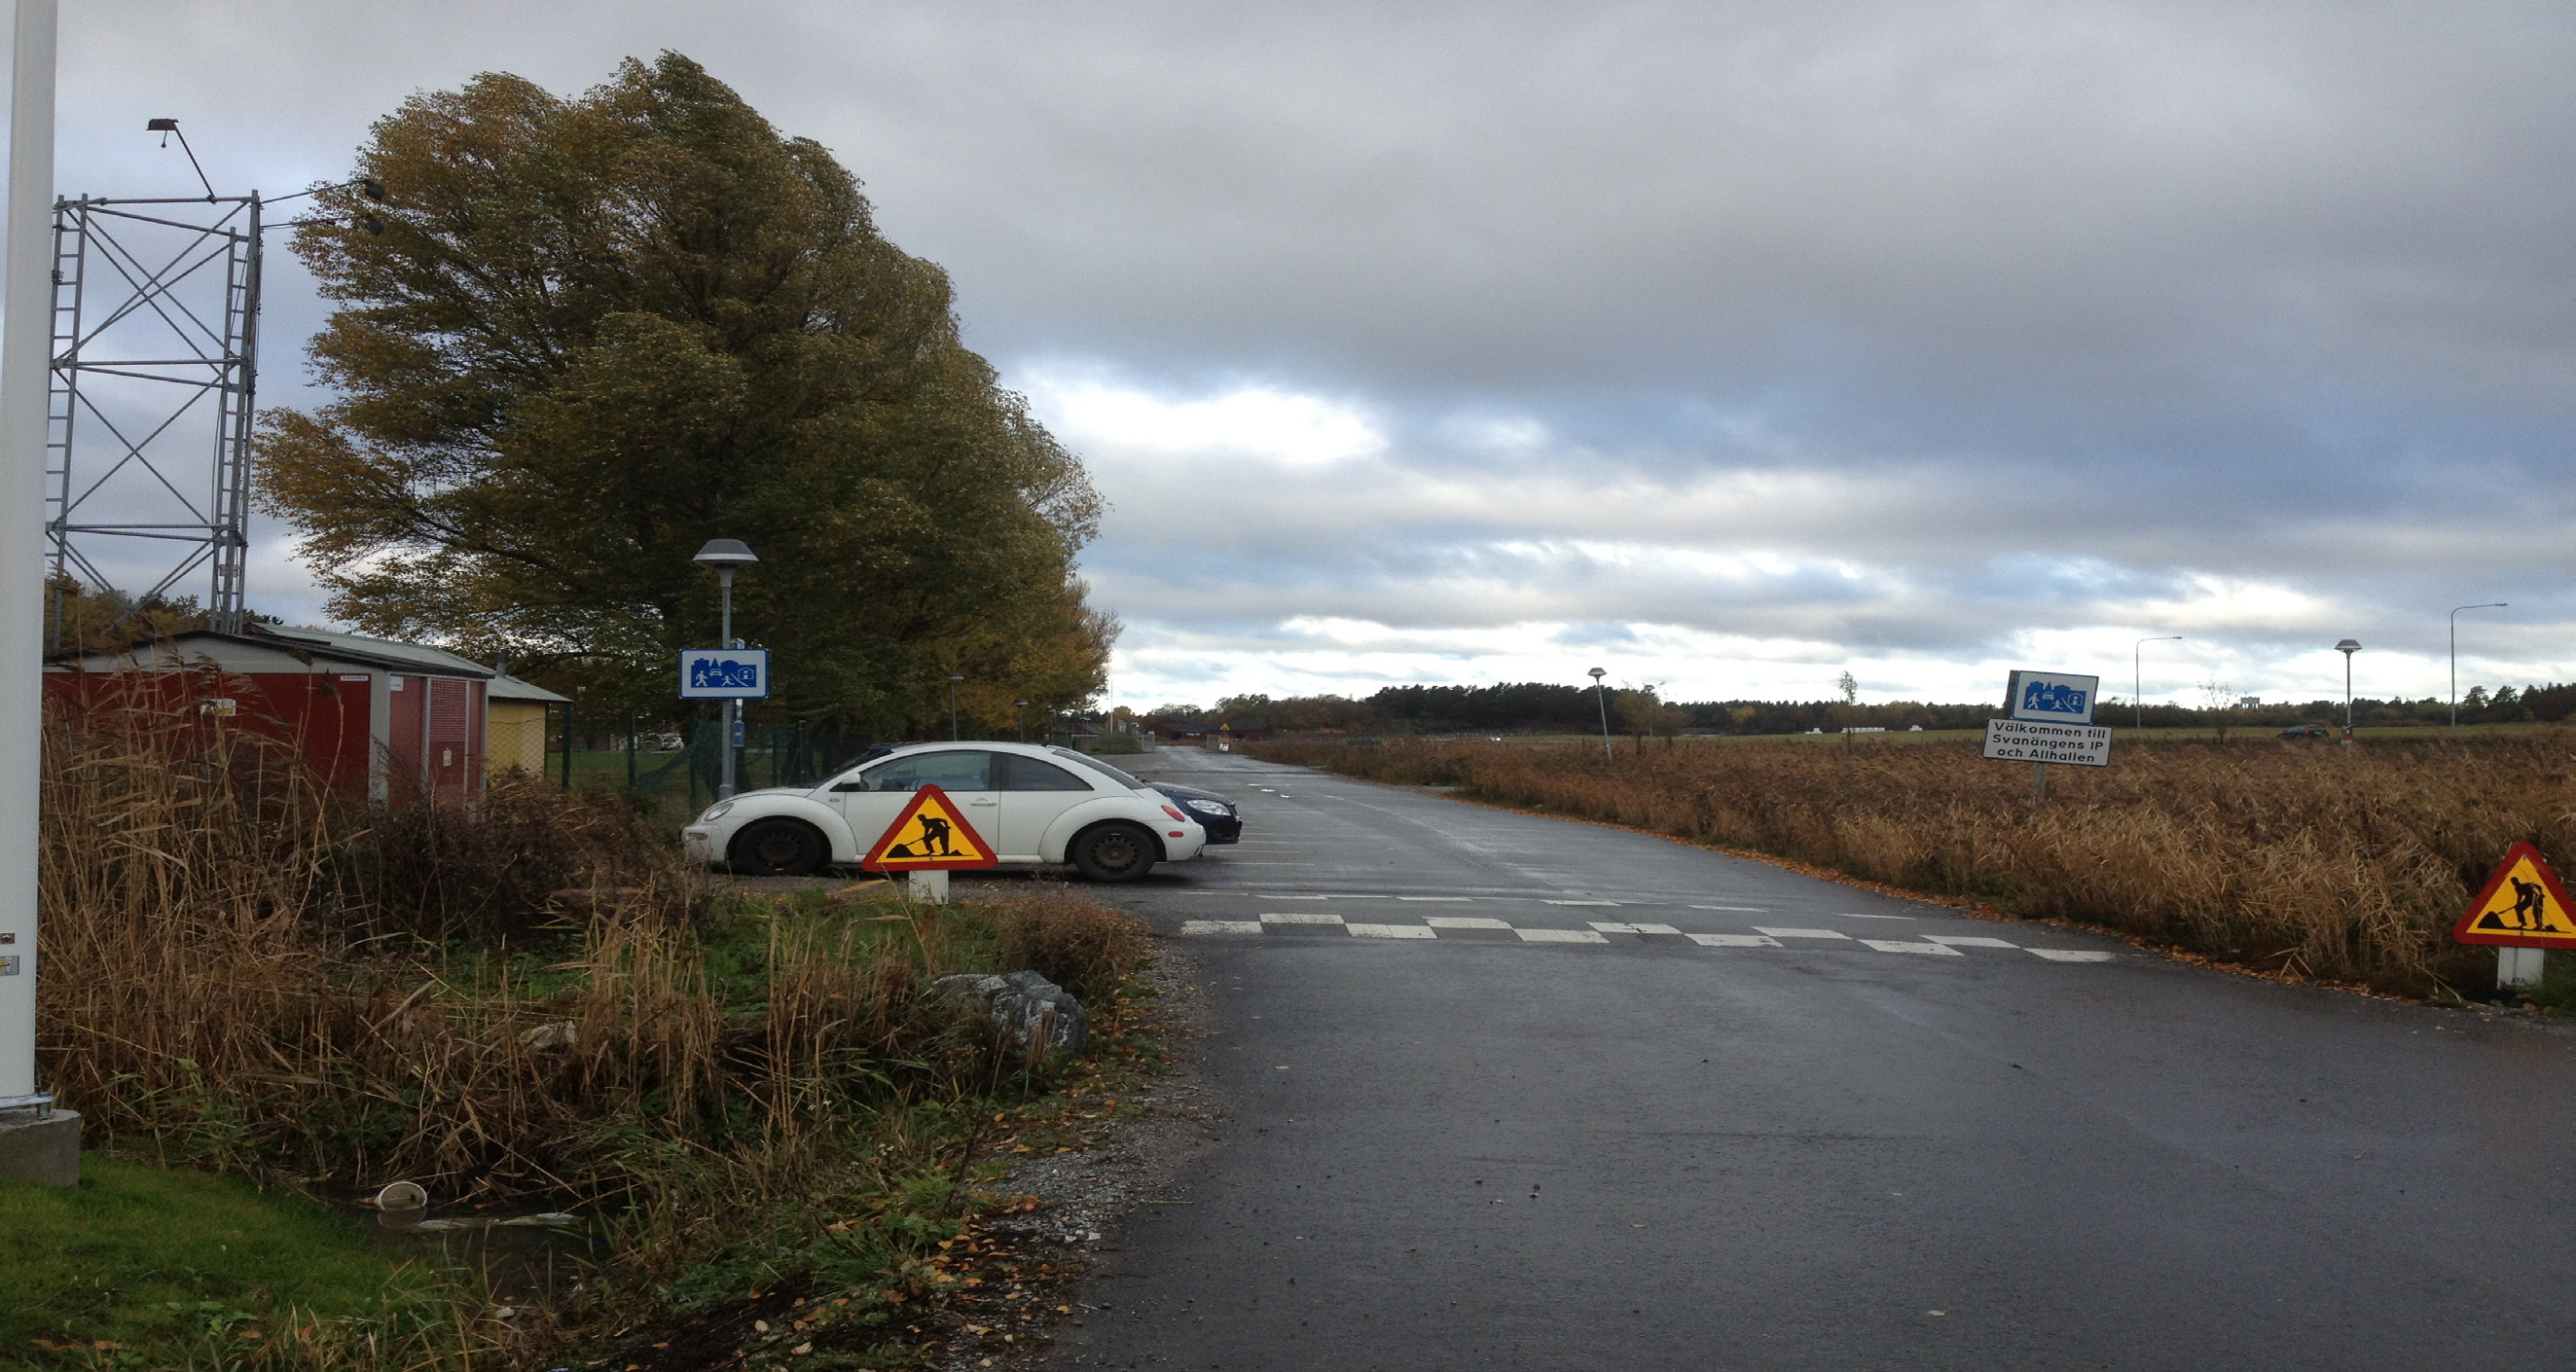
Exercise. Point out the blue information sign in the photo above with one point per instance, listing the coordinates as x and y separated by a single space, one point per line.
724 674
2053 697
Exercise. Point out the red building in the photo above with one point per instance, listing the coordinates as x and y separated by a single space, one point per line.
395 718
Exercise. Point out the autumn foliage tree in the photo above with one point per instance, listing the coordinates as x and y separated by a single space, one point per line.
580 337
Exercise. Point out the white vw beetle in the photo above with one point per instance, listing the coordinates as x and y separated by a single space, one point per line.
1034 805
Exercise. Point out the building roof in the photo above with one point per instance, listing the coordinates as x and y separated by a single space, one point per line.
508 687
433 660
306 645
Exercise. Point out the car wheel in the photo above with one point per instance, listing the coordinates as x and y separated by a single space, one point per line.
1115 852
778 848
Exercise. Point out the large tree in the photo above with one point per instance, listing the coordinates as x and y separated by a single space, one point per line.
580 337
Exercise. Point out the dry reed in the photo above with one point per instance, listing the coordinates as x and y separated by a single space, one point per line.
2346 864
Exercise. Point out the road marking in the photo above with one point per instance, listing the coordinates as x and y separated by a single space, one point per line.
1733 941
1739 909
1962 941
1609 928
1300 918
1846 914
1289 897
2069 954
1789 933
1462 922
1559 936
1578 902
1898 945
1441 898
1390 931
1221 926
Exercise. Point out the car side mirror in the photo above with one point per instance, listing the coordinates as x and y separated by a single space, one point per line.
851 786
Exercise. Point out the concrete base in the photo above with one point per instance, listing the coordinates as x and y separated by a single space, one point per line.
43 1149
930 887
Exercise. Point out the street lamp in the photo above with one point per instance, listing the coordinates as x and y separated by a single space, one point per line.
1020 718
1602 698
2348 647
953 679
2138 679
725 555
2455 659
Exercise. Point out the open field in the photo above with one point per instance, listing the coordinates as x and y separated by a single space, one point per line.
2347 864
2125 736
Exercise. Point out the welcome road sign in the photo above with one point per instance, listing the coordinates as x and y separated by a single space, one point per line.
2018 740
724 674
2052 697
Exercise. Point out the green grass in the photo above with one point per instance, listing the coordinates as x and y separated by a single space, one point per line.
146 1258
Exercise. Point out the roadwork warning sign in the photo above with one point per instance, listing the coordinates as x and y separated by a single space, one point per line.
2523 906
929 836
2023 740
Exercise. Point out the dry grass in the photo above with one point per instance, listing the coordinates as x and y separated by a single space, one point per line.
530 1000
2346 864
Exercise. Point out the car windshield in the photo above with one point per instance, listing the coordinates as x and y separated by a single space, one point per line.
1104 768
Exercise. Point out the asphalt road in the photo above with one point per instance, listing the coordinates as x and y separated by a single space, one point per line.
1493 1146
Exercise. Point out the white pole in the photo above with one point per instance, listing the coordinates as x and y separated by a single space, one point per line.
25 338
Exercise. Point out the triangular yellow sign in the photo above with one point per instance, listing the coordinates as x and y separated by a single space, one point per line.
2523 906
929 836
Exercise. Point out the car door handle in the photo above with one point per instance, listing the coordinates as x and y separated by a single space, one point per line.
983 802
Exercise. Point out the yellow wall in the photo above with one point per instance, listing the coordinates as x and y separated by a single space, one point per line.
518 736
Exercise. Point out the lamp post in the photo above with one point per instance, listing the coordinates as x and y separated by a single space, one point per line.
1020 718
725 555
2138 680
1602 698
2455 659
953 679
2348 647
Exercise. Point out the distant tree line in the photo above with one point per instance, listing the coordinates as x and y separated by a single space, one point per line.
1533 707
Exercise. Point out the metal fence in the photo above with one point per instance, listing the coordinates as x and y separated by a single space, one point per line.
678 770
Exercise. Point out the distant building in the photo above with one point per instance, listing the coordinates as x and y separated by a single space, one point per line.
516 722
391 719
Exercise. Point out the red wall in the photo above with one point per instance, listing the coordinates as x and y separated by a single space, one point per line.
322 715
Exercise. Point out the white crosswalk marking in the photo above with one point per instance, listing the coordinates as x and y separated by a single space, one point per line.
1559 936
1790 933
2069 954
1898 945
1220 926
1300 918
1459 899
1733 940
1615 928
1462 922
1390 931
1578 902
1964 941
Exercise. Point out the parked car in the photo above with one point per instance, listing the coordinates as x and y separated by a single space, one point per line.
2310 730
1034 805
1214 812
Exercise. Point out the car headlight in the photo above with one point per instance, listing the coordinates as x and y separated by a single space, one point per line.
715 812
1210 807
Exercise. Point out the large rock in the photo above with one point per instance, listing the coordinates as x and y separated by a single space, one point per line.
1033 1014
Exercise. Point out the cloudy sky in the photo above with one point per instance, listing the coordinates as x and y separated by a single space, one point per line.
1727 347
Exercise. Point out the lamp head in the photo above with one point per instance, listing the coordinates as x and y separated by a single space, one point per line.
956 676
160 126
2348 647
1019 705
724 554
1596 674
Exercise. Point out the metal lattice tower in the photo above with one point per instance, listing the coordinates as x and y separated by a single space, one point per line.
154 370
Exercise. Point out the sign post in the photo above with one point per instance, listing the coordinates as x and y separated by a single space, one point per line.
930 839
37 1142
2050 720
2524 913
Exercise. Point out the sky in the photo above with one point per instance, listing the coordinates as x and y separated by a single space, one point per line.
1725 347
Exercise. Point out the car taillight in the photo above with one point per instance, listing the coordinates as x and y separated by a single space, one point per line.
1175 814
